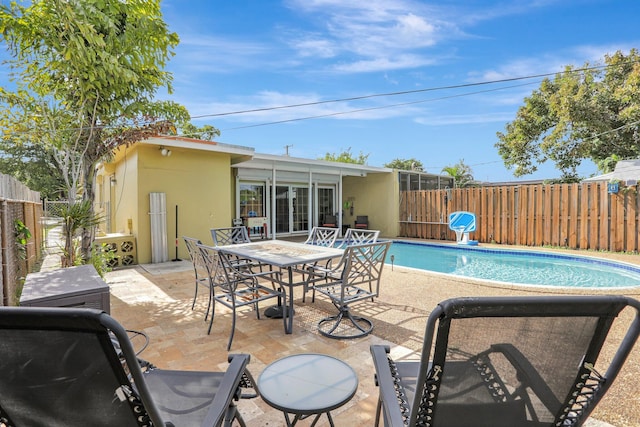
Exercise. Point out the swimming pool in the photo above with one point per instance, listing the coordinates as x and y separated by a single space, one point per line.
511 266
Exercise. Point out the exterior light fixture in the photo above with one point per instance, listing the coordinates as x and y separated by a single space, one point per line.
112 181
165 151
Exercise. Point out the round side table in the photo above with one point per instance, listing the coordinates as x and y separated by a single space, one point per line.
304 385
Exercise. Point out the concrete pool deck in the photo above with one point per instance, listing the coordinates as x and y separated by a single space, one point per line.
157 299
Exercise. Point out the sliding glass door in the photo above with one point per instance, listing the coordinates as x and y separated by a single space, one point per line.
292 209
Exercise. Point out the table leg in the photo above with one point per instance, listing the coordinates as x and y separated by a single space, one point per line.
288 313
298 417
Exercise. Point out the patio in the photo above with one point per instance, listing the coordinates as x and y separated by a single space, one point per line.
157 299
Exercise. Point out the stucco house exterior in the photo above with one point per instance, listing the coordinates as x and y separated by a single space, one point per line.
163 188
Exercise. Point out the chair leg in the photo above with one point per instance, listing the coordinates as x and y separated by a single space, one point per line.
195 295
233 329
376 423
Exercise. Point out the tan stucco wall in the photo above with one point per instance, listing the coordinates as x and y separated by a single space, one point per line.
198 182
376 196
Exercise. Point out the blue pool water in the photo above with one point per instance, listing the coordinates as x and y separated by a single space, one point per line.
509 266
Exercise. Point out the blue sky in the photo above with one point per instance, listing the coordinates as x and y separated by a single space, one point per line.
253 54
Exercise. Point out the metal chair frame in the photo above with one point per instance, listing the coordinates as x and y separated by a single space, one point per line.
234 285
199 269
360 265
322 236
77 367
230 235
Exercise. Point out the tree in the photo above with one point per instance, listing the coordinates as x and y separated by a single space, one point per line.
86 74
590 113
346 157
206 132
461 173
406 165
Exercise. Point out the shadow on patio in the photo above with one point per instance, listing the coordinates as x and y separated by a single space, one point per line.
157 299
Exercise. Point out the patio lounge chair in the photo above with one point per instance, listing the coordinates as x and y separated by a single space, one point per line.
360 265
234 286
72 367
505 362
199 269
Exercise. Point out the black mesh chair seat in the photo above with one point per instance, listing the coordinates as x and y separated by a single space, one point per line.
505 362
72 367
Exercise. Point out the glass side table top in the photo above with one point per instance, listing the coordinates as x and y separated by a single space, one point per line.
307 383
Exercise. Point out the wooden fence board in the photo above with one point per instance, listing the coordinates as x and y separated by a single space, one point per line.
581 216
573 227
583 207
632 221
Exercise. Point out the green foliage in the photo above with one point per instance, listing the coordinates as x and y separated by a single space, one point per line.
346 157
85 73
406 165
76 217
33 165
461 172
608 164
101 258
22 235
206 132
592 114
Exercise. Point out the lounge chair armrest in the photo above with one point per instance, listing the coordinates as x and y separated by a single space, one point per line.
229 389
385 382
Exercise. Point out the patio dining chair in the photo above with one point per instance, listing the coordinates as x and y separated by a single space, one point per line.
330 221
507 362
351 237
322 236
233 236
360 265
362 222
201 278
234 286
72 367
230 235
359 237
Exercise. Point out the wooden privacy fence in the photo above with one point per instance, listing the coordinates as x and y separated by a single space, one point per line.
18 204
578 216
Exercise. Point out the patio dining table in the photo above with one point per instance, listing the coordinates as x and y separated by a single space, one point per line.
287 256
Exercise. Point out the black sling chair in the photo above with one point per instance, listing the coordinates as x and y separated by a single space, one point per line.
77 367
505 362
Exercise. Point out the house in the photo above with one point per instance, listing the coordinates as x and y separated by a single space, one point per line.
626 172
163 188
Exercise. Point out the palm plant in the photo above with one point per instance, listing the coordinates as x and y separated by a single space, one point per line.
461 173
75 218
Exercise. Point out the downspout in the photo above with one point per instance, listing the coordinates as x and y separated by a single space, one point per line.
237 203
340 204
273 203
310 222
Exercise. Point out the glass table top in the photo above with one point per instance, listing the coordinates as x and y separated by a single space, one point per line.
307 383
